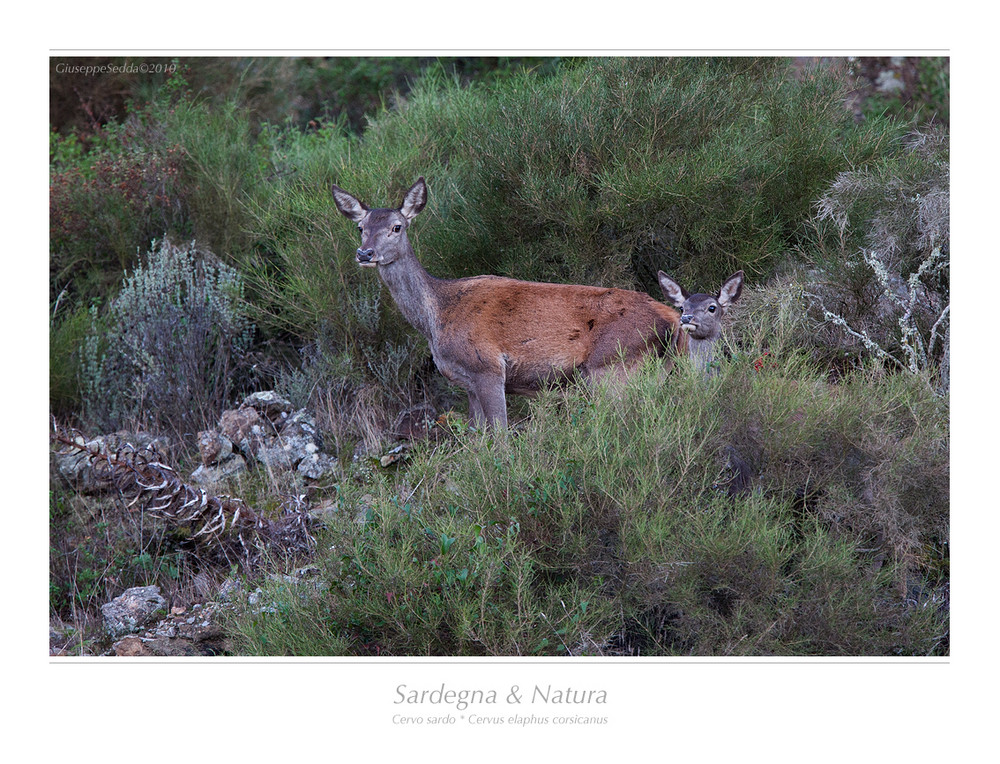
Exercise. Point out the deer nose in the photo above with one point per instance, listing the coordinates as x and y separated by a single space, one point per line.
365 255
687 318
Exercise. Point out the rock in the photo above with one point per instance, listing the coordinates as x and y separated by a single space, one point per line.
131 611
269 429
395 455
281 453
206 475
130 647
295 447
888 81
269 404
160 443
213 447
229 590
76 467
185 633
317 465
238 426
301 424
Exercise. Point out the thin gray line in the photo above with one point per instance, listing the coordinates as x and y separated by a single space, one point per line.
546 51
380 662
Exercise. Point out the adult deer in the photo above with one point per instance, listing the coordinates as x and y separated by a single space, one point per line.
701 315
492 335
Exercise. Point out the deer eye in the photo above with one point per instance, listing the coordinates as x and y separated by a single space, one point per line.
397 228
361 228
711 309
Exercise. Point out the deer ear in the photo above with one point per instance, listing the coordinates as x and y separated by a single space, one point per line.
731 290
348 205
673 291
414 200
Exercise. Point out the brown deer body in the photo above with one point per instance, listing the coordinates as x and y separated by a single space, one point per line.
492 335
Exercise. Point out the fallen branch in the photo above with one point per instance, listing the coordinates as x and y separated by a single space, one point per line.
145 481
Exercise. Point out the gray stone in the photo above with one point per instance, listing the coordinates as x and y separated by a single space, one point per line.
270 404
317 465
206 475
213 447
133 610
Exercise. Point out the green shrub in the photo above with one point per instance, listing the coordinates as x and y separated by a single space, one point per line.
602 173
168 350
175 166
107 205
624 165
66 336
222 167
605 526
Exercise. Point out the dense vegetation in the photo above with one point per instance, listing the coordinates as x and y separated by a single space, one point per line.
604 525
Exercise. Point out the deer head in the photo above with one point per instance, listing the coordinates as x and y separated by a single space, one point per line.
701 314
383 231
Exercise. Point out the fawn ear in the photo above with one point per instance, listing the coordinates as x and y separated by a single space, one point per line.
348 205
414 200
731 290
673 291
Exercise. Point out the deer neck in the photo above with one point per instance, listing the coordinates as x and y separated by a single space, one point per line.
412 288
702 353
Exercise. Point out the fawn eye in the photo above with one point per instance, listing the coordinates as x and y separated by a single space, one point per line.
361 228
397 228
711 309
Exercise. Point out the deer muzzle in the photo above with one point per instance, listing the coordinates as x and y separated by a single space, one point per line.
365 256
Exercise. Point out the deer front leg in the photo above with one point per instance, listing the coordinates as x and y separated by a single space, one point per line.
483 379
476 410
486 398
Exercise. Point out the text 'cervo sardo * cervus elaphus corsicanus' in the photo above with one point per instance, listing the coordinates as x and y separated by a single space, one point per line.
492 335
701 315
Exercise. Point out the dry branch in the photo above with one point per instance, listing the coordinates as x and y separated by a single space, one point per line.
224 523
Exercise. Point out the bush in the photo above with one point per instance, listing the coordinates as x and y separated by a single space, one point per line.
169 349
606 526
602 174
882 257
174 166
624 166
66 336
107 205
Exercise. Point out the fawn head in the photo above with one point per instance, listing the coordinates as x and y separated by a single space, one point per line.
383 231
701 314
